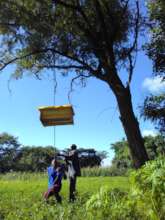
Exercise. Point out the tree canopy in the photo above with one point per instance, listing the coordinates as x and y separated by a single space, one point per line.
154 105
14 157
77 35
156 45
122 162
9 147
94 38
154 110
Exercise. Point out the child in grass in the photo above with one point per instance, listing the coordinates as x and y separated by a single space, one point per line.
55 175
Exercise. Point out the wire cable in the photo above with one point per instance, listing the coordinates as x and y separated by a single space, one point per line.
54 98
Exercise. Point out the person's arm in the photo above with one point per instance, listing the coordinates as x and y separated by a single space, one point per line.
58 178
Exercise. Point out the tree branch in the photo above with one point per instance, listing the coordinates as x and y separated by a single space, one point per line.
83 65
134 46
5 64
62 67
72 83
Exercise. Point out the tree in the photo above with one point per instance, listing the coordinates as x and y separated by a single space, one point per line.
154 110
94 38
154 105
155 147
122 159
35 158
155 48
9 146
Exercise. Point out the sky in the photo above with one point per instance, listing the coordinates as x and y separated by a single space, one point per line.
96 120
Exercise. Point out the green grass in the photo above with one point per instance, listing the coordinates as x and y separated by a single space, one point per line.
141 196
22 199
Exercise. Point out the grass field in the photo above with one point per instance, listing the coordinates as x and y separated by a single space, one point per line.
21 199
141 196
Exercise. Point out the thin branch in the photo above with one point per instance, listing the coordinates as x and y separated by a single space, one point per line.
5 64
86 66
72 83
37 74
131 67
73 58
62 67
134 46
83 66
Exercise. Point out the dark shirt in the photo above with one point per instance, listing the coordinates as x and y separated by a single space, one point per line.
73 156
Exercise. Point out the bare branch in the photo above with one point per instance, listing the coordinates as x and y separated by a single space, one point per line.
131 67
62 67
72 83
4 65
37 74
134 46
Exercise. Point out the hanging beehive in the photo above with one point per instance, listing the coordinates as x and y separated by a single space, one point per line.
56 115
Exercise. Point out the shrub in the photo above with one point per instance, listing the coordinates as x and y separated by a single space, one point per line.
145 200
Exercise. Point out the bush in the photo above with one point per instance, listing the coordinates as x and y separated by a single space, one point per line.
145 200
149 184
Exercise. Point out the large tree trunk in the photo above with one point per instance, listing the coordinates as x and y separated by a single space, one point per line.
131 127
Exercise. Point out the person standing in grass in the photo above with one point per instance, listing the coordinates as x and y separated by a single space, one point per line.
55 175
73 170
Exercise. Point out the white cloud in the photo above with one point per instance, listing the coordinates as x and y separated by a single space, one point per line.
149 132
154 84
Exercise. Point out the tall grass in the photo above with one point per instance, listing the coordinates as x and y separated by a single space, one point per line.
23 176
102 171
22 199
85 172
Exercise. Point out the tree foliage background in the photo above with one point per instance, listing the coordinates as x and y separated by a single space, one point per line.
155 48
154 105
15 157
155 147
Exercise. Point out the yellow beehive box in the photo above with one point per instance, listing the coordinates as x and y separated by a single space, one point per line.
56 115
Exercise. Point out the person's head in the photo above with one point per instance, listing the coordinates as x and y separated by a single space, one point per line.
54 163
73 147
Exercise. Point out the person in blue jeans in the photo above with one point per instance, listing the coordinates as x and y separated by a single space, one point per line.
55 175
